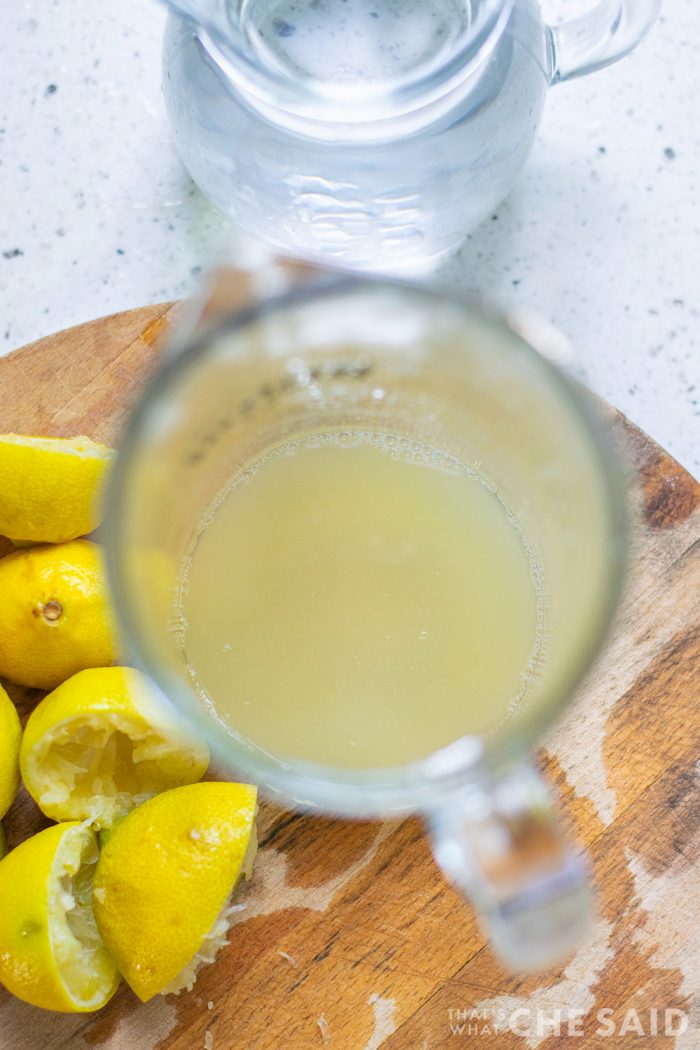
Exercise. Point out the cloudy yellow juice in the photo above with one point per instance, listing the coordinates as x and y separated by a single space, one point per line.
359 600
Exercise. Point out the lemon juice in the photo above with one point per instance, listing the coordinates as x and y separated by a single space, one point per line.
359 600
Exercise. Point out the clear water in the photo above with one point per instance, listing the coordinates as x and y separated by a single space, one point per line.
348 40
386 196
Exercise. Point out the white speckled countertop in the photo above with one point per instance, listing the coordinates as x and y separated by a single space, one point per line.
600 235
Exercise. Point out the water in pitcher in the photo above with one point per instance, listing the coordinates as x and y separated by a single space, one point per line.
359 600
354 40
349 172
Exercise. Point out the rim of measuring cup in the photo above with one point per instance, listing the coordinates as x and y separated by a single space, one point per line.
420 785
356 105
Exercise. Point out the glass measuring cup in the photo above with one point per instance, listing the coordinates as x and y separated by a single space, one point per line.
371 133
458 379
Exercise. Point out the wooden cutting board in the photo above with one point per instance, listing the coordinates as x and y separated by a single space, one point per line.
351 936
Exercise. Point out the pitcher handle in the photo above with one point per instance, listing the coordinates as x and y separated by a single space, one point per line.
599 37
503 847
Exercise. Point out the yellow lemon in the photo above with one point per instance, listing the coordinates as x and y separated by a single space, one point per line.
103 742
164 881
51 954
50 487
10 736
54 615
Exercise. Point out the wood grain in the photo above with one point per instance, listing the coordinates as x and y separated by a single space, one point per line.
350 935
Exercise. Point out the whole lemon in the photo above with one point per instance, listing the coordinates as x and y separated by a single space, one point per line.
54 614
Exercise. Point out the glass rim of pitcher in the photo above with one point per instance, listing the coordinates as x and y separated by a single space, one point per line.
354 103
424 783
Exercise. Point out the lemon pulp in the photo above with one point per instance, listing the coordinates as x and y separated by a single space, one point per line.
83 961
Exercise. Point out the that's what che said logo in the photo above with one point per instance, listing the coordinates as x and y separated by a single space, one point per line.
528 1022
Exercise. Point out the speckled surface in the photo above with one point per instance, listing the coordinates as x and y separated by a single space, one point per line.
601 235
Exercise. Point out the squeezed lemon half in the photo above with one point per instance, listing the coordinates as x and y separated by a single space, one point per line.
50 488
102 743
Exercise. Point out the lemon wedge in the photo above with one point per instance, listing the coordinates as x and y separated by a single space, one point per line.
10 736
163 885
51 954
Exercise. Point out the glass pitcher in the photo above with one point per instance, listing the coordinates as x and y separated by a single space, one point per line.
347 358
373 134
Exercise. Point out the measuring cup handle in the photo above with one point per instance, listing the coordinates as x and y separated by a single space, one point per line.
502 846
600 36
